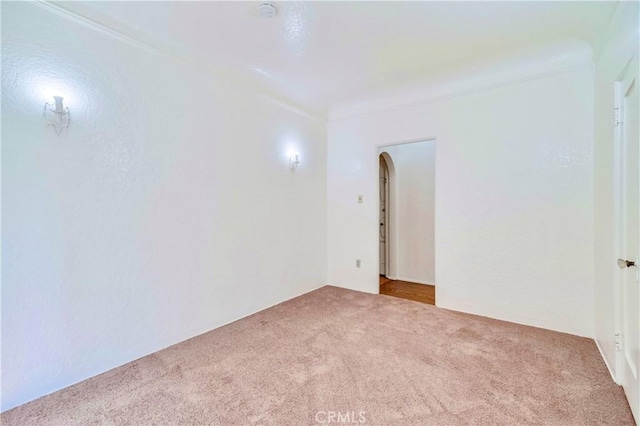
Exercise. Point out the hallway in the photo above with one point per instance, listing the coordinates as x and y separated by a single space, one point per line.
406 290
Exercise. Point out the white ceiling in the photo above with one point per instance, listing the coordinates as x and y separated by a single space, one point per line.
318 53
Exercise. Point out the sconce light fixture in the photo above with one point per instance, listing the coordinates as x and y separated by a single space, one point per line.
294 160
56 114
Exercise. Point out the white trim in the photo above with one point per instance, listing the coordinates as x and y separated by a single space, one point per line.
391 238
93 25
624 373
391 248
617 223
379 105
604 358
617 218
413 280
206 69
387 218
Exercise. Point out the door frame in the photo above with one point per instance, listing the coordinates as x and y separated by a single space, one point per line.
391 240
618 176
617 225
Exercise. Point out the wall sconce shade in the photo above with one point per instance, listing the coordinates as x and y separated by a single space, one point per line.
56 114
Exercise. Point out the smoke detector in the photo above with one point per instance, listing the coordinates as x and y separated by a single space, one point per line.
268 10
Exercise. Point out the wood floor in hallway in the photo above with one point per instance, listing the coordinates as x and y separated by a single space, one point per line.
407 290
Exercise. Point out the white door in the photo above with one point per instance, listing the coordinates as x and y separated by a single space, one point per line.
629 232
383 216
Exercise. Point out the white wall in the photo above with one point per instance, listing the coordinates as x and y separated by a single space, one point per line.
414 209
622 45
514 197
166 209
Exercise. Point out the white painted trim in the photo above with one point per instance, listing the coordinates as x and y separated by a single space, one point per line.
231 321
390 228
245 84
93 25
617 218
356 109
413 280
535 64
611 370
391 247
391 237
617 240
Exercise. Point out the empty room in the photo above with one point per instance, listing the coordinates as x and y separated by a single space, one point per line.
313 213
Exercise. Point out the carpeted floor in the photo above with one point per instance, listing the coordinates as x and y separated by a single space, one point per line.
336 354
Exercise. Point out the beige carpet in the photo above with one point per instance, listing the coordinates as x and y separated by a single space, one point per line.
380 359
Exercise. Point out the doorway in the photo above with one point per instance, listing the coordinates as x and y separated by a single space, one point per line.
406 226
383 248
628 235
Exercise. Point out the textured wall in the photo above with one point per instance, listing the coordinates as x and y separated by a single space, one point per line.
622 46
514 201
166 209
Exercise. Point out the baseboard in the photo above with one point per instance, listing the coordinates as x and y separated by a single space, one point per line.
100 371
611 372
411 280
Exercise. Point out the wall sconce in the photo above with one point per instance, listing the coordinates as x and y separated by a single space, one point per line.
294 160
56 114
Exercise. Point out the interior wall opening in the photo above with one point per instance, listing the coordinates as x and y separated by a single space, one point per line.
406 234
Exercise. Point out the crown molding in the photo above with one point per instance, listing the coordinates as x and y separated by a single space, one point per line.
244 83
541 64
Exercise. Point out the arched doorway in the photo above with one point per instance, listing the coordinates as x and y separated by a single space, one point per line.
386 172
406 220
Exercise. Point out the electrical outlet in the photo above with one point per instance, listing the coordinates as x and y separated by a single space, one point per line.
357 263
360 199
